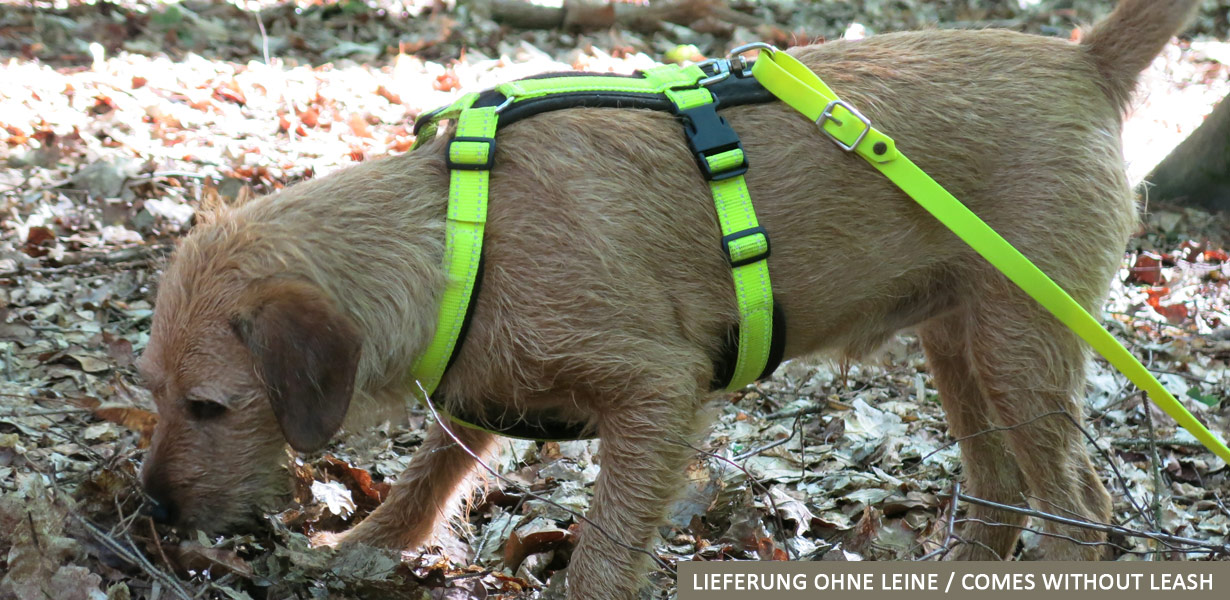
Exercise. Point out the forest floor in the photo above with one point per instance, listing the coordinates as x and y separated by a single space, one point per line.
118 122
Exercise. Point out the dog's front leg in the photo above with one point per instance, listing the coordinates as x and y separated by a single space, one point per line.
643 453
426 493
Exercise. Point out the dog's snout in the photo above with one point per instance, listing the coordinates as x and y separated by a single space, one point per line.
160 506
163 511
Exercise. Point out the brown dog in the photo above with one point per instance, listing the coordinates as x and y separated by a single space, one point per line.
606 296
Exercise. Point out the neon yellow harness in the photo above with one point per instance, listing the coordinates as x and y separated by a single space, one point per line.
471 154
719 155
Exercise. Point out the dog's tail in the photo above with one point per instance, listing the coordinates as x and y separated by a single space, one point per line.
1124 43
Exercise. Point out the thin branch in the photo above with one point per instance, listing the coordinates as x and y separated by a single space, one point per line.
1127 490
769 446
945 548
781 525
1144 443
1104 528
1109 462
1052 534
134 558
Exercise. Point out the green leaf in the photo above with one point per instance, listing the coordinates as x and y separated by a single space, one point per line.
168 18
1206 399
355 7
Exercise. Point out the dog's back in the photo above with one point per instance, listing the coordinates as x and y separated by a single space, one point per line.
1023 129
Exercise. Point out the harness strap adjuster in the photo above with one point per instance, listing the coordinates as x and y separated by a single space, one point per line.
827 115
465 153
744 249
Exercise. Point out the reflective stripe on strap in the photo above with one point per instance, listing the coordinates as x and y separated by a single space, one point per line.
653 81
799 87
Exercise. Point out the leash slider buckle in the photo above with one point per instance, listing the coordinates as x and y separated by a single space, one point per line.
827 115
462 165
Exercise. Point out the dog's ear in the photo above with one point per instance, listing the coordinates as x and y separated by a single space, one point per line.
306 353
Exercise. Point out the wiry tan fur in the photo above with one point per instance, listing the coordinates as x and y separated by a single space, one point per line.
606 298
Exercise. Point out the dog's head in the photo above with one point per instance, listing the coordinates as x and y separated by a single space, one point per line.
240 362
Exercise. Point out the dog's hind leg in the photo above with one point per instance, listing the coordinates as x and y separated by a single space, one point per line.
991 472
426 494
1031 368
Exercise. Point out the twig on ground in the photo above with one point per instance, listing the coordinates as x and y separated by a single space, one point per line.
158 542
769 446
797 412
981 545
756 484
1222 549
996 429
136 559
946 547
1110 462
1144 443
1088 437
1052 534
83 260
1155 460
42 413
260 23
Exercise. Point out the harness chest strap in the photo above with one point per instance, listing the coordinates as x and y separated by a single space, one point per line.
723 163
796 85
470 156
719 155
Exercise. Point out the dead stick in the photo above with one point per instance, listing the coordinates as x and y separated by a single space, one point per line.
1104 528
952 526
1142 443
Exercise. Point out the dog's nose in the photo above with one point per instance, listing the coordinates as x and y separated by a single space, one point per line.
163 511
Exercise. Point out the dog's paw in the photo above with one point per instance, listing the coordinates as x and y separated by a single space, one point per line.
327 539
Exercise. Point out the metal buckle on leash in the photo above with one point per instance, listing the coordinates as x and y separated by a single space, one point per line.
737 54
827 115
725 67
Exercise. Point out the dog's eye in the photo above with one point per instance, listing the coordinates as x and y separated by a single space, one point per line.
204 410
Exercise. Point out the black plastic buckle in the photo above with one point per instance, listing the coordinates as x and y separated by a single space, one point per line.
738 235
709 134
448 155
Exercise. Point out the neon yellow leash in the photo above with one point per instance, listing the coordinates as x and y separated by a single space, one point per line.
801 89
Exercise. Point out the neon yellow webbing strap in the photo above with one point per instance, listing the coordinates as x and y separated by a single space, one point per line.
470 155
799 87
746 243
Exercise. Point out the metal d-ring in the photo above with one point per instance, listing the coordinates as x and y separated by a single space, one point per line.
505 104
721 70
